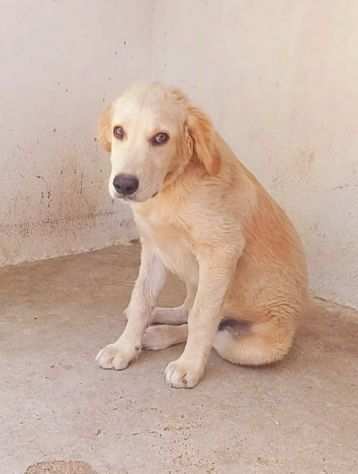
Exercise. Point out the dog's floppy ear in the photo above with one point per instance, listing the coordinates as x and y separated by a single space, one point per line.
104 129
203 135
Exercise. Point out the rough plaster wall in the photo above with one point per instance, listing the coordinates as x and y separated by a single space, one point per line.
280 79
61 61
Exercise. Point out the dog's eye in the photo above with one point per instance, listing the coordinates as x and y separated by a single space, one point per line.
160 138
118 132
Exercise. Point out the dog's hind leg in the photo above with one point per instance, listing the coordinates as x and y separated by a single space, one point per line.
173 316
177 315
161 336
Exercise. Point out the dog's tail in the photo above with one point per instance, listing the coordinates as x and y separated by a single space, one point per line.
254 344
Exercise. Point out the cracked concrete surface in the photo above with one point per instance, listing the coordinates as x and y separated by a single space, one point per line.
298 417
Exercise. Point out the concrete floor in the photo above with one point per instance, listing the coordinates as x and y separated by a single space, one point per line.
300 416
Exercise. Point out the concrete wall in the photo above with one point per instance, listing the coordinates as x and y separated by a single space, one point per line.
61 61
280 80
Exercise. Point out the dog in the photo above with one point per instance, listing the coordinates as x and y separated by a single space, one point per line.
203 216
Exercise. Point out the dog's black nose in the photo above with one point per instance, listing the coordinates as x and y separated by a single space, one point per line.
125 184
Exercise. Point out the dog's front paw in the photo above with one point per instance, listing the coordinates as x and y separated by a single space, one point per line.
115 356
183 373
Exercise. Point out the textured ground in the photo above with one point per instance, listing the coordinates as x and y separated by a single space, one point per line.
298 417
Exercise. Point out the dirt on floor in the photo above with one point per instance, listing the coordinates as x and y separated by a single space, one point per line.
60 467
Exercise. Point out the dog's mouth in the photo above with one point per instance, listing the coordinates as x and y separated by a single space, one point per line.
133 197
123 197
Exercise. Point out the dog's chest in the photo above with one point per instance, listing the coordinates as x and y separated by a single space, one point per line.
171 243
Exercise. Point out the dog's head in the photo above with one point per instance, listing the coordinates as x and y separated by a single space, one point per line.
152 133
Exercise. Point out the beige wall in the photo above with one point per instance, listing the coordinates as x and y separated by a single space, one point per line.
60 62
279 79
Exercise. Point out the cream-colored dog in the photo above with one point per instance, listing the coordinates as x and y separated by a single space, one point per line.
202 215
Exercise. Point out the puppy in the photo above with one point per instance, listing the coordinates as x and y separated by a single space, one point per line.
203 216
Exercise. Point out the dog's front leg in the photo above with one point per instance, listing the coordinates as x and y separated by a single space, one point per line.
145 293
215 275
